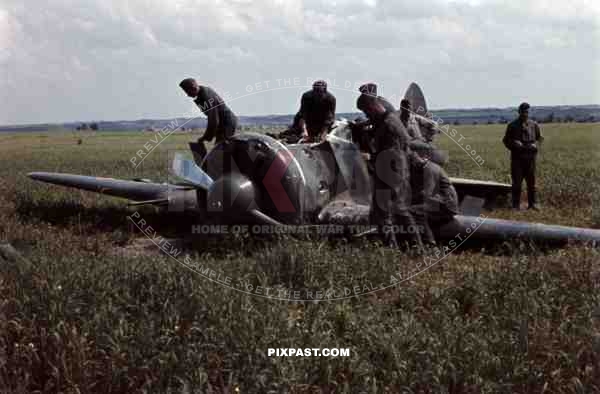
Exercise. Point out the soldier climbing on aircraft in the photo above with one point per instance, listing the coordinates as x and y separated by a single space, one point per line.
391 192
362 129
222 122
316 114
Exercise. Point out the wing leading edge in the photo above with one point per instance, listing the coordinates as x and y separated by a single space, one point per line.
132 190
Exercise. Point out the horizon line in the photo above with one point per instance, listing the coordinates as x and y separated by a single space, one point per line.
432 111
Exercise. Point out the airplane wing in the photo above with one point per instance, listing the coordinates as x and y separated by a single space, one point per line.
482 189
143 191
132 190
494 229
473 227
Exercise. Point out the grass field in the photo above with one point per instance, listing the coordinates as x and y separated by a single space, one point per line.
95 311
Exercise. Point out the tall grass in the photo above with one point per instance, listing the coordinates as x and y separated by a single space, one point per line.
99 311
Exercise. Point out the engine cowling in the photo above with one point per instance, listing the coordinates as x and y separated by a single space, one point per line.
254 171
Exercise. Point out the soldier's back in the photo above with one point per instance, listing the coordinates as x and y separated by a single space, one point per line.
392 132
316 106
209 99
438 186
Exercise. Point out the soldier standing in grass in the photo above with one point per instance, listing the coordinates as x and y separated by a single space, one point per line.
222 122
521 138
317 112
391 193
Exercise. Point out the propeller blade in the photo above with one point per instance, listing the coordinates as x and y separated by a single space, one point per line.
188 170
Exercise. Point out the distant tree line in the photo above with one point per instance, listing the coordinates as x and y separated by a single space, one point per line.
550 118
85 126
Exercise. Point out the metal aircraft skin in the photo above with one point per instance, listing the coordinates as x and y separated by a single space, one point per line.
256 178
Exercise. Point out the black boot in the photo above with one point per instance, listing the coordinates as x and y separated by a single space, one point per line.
516 200
531 200
388 236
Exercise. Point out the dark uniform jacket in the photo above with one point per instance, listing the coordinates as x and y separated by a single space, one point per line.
431 187
222 122
363 132
390 133
392 173
317 109
527 134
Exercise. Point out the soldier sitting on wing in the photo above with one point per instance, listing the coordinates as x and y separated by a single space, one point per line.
434 199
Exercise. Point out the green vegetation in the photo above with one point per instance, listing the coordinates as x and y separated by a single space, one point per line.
98 311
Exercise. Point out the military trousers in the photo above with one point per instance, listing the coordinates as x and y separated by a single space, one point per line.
390 206
523 168
425 217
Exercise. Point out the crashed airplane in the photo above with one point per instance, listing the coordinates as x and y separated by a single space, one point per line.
255 178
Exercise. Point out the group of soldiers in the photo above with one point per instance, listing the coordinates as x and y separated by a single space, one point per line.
410 190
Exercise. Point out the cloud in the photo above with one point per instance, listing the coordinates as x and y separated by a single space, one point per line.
113 59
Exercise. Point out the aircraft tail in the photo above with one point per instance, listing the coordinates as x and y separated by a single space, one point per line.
415 95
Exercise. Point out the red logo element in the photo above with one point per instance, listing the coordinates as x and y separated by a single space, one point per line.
272 181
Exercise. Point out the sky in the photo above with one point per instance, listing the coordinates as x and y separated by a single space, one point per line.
70 60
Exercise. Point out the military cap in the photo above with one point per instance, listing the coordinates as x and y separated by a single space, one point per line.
368 88
365 100
524 107
187 83
320 85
